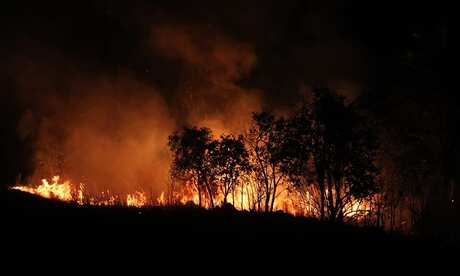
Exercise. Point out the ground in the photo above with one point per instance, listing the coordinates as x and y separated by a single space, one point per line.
34 222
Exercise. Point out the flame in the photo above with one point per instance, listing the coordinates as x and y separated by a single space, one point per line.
358 208
56 190
294 202
161 200
243 197
66 191
137 199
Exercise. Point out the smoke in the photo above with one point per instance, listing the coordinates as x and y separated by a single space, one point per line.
213 63
109 129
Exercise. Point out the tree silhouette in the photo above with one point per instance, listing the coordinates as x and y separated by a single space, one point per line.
264 142
329 151
229 160
344 150
191 161
298 157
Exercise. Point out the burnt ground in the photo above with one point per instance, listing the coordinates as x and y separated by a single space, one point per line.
32 225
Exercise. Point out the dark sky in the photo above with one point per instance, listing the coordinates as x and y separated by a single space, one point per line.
310 41
268 51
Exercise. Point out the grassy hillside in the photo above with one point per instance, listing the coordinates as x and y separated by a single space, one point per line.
40 222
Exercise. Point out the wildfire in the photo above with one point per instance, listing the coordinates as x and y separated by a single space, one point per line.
242 198
137 199
62 191
66 191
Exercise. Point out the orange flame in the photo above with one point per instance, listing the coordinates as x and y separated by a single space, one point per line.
137 199
57 190
242 198
66 191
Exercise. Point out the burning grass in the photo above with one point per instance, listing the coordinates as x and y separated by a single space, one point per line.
242 198
66 191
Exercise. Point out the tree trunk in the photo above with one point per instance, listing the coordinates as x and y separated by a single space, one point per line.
338 201
272 204
322 197
225 197
211 198
267 202
330 198
267 195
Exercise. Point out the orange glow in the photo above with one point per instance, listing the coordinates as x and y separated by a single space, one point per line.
57 190
243 197
136 199
66 191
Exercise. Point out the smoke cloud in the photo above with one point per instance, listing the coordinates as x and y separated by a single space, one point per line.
109 129
209 93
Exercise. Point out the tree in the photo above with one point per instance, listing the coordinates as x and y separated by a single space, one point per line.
191 161
229 160
344 151
330 152
264 142
297 160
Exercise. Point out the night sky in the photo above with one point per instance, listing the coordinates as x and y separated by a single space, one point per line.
309 41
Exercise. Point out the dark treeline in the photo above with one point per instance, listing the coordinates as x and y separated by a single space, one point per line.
325 153
339 161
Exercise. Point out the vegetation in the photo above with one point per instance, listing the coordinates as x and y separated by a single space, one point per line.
326 150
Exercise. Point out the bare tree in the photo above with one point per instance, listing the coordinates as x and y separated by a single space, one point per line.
264 142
